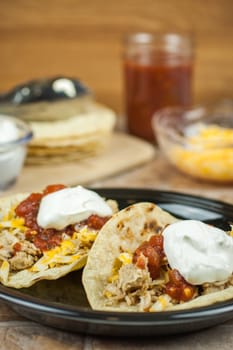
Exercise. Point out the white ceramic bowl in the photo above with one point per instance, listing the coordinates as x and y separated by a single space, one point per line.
14 137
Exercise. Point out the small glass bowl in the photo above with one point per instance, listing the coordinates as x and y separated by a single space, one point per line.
13 152
198 140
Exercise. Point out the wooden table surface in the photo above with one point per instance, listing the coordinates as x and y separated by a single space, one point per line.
83 39
18 333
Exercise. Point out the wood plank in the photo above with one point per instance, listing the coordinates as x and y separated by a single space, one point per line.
84 39
124 153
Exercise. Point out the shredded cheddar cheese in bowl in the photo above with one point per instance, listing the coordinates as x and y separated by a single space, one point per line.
198 141
210 155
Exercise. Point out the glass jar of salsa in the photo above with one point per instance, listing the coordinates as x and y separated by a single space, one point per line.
158 74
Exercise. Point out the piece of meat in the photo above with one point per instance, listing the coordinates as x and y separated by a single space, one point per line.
6 242
25 257
132 278
21 261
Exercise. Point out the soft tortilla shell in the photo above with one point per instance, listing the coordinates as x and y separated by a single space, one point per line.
69 152
26 278
96 120
77 137
124 232
205 300
49 110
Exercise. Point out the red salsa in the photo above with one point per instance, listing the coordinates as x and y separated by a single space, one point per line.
177 287
153 250
151 84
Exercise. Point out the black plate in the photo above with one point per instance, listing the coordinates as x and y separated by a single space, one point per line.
63 303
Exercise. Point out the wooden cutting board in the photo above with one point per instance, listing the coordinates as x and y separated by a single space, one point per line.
125 152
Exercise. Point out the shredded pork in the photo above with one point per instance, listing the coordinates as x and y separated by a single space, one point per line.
26 257
135 287
217 286
18 260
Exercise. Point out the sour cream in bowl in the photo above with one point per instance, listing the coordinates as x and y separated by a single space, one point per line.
14 137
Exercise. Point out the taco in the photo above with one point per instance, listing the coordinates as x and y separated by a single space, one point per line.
48 234
128 268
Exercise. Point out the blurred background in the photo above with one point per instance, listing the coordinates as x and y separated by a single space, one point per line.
83 39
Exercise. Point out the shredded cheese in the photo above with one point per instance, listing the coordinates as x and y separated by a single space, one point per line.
161 303
123 259
85 235
60 255
11 221
4 271
210 156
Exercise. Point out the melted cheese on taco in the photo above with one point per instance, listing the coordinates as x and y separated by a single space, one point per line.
46 235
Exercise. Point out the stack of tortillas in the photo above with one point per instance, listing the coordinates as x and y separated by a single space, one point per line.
73 138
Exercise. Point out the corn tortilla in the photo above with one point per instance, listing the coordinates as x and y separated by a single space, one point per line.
123 233
69 255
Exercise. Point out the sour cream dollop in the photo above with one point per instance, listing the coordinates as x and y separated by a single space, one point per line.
70 206
200 252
